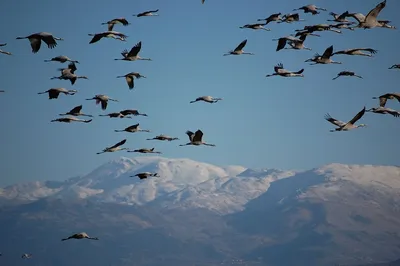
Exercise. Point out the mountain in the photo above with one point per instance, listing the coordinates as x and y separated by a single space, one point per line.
200 214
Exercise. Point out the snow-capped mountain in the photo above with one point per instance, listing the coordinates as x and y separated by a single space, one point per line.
184 183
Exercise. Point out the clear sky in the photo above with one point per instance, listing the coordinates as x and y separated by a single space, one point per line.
262 122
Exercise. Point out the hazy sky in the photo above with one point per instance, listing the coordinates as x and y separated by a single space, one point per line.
275 122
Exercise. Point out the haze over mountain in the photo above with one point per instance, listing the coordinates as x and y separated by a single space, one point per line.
202 213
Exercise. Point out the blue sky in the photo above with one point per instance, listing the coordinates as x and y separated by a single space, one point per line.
275 122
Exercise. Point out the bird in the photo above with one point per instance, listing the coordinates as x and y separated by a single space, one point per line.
62 59
196 139
319 27
116 115
289 18
70 119
239 49
357 51
129 78
26 256
111 23
396 66
339 18
132 112
370 21
133 54
387 96
4 52
208 99
36 40
81 235
280 71
342 126
132 129
342 25
103 99
384 110
313 9
256 26
145 175
2 91
107 34
76 111
325 58
273 17
55 92
114 148
147 13
69 74
347 73
146 151
293 42
163 137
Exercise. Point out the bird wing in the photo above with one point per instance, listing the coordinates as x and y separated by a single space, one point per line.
129 80
135 49
198 135
110 26
50 41
328 52
103 104
357 116
97 37
295 16
241 45
372 51
53 94
343 15
357 16
190 134
35 44
373 14
122 142
334 121
72 67
278 67
396 95
76 109
281 43
382 101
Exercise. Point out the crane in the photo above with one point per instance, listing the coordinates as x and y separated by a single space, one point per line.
313 9
208 99
133 54
342 126
348 74
70 119
81 235
387 96
396 66
163 137
61 59
370 21
325 58
280 71
146 151
294 43
239 49
289 18
147 13
256 26
116 147
384 110
274 17
107 34
116 115
130 77
196 139
76 111
145 175
36 40
132 112
132 129
55 92
103 99
111 23
339 18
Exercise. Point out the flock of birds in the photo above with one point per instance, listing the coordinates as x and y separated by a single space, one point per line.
295 41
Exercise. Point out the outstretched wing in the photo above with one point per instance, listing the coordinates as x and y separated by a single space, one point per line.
76 109
334 121
328 52
135 49
281 43
122 142
382 101
357 116
241 45
373 14
198 135
129 80
190 134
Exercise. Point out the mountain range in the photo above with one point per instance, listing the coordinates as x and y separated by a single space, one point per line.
201 214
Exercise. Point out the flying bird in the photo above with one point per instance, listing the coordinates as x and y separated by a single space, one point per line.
70 119
107 34
37 38
294 43
133 54
370 21
103 99
62 59
339 18
325 58
208 99
76 111
357 51
396 66
289 18
348 74
163 138
387 96
384 110
133 112
132 129
256 26
280 71
239 49
26 256
130 77
69 74
82 235
116 115
115 148
146 151
111 23
145 175
196 139
342 126
274 17
147 13
55 92
313 9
